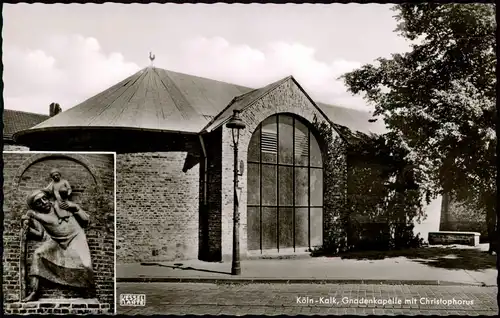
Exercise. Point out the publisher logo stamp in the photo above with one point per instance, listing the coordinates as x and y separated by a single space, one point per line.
134 300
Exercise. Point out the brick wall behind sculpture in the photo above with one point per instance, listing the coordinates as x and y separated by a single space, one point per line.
157 207
92 180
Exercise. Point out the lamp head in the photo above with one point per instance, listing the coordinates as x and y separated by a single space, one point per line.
236 124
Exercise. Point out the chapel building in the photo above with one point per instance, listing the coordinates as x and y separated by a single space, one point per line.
175 164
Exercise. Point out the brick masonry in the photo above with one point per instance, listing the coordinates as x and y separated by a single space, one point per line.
92 180
211 198
55 307
157 207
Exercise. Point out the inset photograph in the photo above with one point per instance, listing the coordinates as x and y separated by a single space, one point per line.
59 233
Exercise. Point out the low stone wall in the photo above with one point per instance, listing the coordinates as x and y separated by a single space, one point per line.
58 306
448 238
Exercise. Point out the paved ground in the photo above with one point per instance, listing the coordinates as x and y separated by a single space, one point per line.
319 268
309 299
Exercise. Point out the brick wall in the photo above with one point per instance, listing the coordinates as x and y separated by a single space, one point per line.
286 98
210 215
157 207
91 177
157 203
75 307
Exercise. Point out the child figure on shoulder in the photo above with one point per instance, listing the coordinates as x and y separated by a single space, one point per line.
60 190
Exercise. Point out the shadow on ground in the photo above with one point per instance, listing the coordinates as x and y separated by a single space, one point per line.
186 268
448 258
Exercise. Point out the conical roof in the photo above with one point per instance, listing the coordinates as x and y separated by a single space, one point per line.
158 100
151 99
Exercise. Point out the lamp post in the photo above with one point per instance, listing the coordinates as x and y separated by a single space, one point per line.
236 124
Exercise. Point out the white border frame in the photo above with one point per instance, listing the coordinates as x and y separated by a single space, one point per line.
114 193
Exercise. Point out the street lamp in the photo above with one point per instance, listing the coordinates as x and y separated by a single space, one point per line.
236 124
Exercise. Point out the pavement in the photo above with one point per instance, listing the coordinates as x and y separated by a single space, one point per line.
306 286
398 270
306 299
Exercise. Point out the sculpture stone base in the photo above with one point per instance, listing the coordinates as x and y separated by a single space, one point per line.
58 306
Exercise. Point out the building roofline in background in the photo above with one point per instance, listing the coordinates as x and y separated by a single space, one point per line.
25 112
13 118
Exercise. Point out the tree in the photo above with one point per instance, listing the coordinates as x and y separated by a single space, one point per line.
385 198
381 189
438 100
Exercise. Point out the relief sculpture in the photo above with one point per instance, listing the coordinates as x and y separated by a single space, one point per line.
63 257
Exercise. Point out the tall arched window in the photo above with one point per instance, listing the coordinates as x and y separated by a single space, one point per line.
285 186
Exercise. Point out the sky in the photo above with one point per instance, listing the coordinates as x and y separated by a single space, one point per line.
66 53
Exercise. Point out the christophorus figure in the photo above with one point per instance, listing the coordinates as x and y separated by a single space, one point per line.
64 255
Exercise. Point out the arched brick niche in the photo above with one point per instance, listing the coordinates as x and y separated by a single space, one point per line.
92 179
42 159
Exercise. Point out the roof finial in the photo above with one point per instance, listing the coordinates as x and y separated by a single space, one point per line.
151 57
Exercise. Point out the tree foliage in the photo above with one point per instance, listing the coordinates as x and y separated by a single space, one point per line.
335 177
438 100
384 196
382 193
